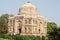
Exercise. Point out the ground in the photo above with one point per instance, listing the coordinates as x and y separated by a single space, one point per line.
3 39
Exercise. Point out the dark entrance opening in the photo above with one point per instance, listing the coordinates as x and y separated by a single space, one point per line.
19 30
39 30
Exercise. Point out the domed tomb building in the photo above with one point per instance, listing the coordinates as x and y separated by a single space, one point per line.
27 22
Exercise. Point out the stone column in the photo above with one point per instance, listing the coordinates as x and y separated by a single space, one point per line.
23 25
16 26
32 25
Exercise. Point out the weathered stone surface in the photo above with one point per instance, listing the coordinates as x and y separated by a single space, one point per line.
27 22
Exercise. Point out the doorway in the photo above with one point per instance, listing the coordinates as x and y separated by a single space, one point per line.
19 30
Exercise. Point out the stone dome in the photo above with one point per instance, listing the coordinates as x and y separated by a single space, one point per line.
28 4
28 9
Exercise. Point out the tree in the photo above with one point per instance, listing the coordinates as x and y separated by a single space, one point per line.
3 26
4 23
5 16
52 30
58 33
51 26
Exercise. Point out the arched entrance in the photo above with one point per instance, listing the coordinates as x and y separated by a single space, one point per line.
19 30
20 26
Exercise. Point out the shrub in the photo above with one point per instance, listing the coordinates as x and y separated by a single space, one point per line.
43 38
21 37
3 36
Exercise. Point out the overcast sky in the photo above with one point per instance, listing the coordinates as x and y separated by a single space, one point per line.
48 8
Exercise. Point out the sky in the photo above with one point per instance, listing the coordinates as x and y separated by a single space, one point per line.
48 8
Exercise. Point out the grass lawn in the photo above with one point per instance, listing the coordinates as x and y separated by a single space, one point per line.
3 39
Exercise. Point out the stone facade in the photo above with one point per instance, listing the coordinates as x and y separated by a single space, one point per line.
27 22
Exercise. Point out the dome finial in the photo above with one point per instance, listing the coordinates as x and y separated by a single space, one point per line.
28 1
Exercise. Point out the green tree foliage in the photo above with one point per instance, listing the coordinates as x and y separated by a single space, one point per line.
51 26
58 33
3 26
43 38
53 31
5 16
4 23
